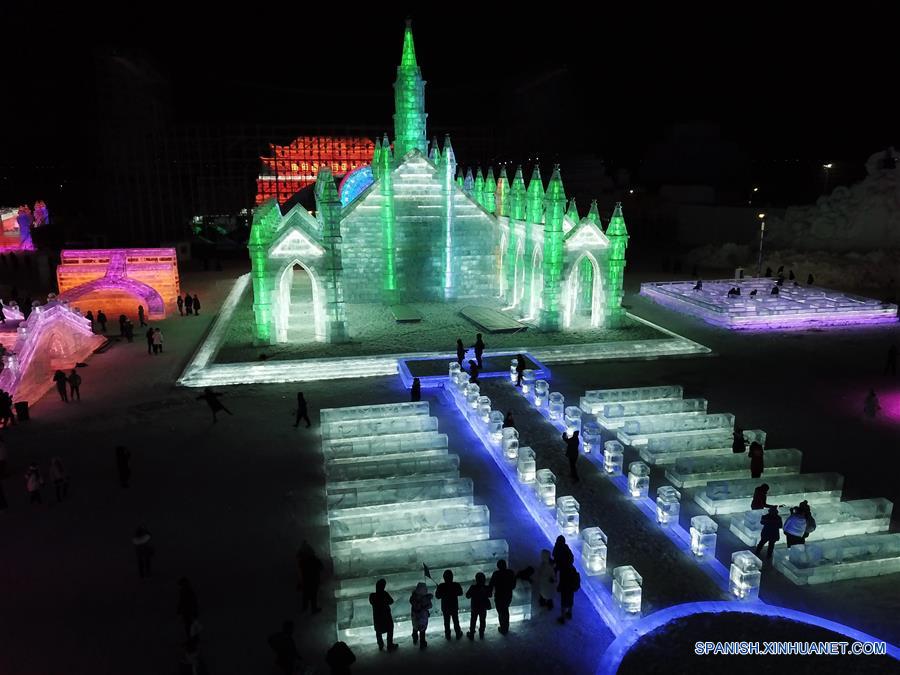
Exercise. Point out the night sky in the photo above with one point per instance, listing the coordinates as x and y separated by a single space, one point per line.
780 82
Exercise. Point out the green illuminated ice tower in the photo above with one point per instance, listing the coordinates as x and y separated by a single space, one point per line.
572 211
389 269
468 182
409 102
617 234
459 177
534 217
478 190
553 252
502 194
446 169
517 202
328 211
594 214
376 159
435 153
266 220
490 192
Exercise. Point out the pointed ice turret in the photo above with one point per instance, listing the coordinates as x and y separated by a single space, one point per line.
435 153
553 252
518 196
490 191
448 153
387 157
469 182
409 101
460 181
502 194
535 208
594 214
572 211
328 209
376 159
617 234
616 226
478 188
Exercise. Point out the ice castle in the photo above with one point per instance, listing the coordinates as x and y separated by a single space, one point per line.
411 228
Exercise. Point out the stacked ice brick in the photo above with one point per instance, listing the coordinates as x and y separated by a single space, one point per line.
694 447
395 501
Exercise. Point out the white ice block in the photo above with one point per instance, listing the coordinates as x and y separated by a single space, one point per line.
453 369
830 560
731 496
513 370
364 412
567 515
527 381
390 466
614 415
572 419
689 472
556 405
484 409
495 426
510 443
593 550
473 391
703 536
382 521
545 486
383 445
383 510
638 480
598 397
666 448
613 458
636 430
378 426
744 576
627 589
400 490
590 437
668 505
840 519
541 393
526 467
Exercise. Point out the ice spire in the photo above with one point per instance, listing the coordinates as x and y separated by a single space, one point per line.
409 101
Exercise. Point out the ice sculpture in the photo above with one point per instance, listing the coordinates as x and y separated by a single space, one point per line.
852 557
593 550
369 412
703 536
545 485
567 515
513 370
613 458
614 415
454 370
527 381
731 496
472 394
690 472
668 505
572 419
495 426
745 575
638 480
484 409
510 443
556 405
541 392
794 306
526 467
627 589
590 436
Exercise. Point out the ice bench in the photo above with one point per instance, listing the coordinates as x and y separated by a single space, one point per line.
390 466
639 430
365 412
688 472
594 398
398 490
668 447
385 444
731 496
403 424
614 415
841 519
853 557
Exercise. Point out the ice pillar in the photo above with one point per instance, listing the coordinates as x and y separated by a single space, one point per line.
328 206
553 252
617 234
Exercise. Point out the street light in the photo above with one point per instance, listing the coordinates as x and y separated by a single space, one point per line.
762 234
752 192
827 168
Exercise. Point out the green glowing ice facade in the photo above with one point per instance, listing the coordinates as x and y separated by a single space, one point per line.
427 230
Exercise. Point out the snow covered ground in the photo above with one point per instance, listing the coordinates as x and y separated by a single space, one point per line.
228 503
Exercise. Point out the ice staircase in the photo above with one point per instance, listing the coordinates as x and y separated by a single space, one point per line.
396 501
694 447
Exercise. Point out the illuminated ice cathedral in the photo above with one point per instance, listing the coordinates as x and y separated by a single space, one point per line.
410 228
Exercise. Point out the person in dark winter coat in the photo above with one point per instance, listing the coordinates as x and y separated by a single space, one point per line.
503 581
572 453
188 304
180 302
419 605
74 385
448 593
479 350
196 305
310 568
188 608
473 371
460 352
33 483
286 654
520 369
569 583
61 381
546 574
760 495
508 421
756 459
60 478
123 465
339 659
382 619
415 392
562 554
149 336
771 531
737 444
141 316
212 400
302 411
101 319
480 595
